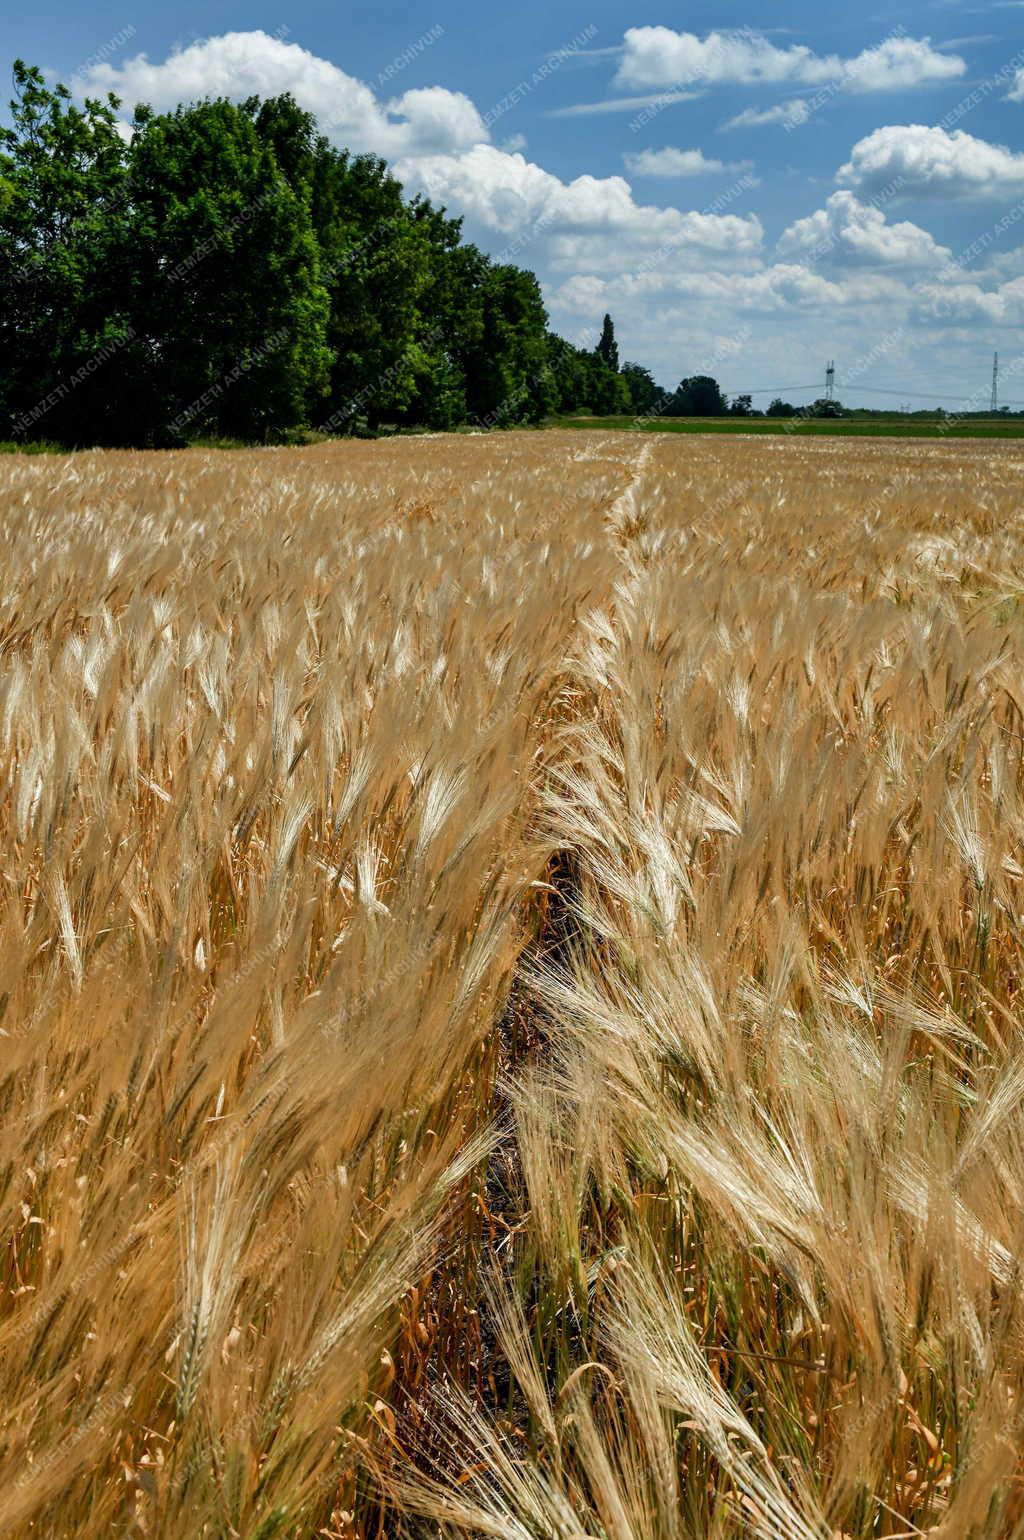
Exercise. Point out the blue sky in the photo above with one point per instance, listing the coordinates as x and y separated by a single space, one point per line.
748 195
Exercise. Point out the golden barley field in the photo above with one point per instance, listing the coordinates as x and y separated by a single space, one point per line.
510 967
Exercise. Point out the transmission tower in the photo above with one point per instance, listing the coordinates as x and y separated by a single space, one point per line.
995 382
830 381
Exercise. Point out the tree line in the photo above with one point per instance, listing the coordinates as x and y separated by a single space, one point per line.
223 271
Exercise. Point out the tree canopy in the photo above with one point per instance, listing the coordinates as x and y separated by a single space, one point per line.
251 279
699 396
223 270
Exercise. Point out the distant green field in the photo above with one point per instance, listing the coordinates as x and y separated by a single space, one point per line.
844 427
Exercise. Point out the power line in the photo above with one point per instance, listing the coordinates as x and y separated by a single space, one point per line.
773 390
878 390
871 390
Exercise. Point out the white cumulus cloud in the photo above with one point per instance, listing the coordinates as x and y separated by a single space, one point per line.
959 304
769 291
241 64
847 232
931 162
899 64
655 56
672 162
590 218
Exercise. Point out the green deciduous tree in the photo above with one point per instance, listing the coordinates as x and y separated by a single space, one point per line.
507 373
699 396
63 219
228 293
645 395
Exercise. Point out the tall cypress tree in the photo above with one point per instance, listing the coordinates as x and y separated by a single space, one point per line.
608 349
